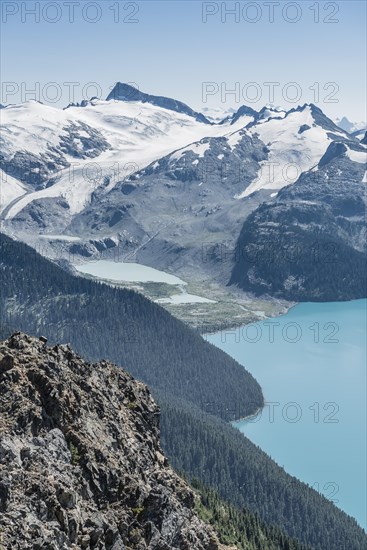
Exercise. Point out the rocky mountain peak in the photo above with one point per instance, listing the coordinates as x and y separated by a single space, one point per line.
126 92
335 149
81 463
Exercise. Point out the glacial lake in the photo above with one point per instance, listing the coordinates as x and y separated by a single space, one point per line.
127 271
311 364
138 273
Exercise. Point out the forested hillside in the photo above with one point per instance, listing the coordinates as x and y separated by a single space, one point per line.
123 326
186 375
206 448
239 526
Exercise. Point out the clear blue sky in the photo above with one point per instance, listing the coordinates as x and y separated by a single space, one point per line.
171 51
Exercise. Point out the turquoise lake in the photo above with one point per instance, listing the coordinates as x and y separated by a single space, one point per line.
311 364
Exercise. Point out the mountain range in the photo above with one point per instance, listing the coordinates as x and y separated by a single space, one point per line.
269 203
162 182
354 128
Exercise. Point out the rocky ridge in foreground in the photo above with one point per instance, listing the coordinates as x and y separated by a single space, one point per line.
80 460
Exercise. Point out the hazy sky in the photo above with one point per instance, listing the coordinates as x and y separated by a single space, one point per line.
287 53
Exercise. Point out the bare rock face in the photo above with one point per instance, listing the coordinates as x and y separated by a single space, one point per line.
80 461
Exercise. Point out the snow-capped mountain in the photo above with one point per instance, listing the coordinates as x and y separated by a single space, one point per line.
217 114
137 168
126 92
296 140
48 151
354 128
310 241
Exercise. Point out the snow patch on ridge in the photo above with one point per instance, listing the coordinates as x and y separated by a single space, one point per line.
138 133
357 156
291 153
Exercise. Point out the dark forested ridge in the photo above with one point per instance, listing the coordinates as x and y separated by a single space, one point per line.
123 326
206 448
239 526
309 244
185 373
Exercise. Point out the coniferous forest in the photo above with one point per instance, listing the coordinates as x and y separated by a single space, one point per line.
185 374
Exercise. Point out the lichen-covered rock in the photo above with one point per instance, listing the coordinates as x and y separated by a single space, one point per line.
80 461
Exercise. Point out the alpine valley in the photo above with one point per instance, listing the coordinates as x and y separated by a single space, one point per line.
115 413
150 179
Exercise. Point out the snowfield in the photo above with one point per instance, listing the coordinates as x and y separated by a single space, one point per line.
357 156
138 133
291 152
10 189
127 136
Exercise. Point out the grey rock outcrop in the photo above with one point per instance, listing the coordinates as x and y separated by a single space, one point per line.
125 92
80 461
78 140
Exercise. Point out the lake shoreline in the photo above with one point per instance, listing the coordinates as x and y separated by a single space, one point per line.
311 377
230 326
213 307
